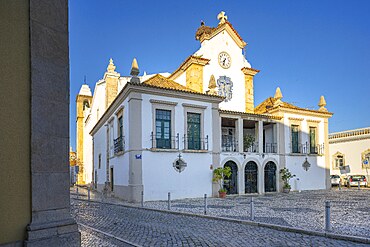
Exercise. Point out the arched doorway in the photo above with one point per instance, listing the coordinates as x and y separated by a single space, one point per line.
231 184
250 177
270 177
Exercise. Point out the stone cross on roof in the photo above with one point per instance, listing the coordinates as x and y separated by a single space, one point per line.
222 17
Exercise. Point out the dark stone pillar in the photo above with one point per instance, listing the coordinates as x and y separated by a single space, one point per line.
51 224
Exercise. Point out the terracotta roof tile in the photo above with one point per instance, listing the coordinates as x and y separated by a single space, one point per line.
163 82
269 103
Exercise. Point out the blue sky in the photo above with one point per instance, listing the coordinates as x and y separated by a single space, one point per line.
307 48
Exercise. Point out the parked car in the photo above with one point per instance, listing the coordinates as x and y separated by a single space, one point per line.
335 180
353 180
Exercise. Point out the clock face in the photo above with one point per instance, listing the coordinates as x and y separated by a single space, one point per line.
224 60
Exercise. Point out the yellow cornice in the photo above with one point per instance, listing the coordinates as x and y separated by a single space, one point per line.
229 29
296 118
250 71
302 111
186 64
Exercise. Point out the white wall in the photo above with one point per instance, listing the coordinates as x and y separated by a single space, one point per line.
100 148
352 151
98 102
160 177
314 178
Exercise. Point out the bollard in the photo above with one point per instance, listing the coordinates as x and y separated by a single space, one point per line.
88 193
252 209
359 185
169 201
142 198
327 216
205 204
339 186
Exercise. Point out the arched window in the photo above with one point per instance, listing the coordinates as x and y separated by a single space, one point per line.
365 158
338 160
86 104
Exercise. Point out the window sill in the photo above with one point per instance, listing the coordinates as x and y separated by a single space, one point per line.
169 150
195 151
297 154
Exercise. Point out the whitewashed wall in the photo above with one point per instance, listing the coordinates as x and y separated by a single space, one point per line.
100 148
159 176
352 151
315 177
98 102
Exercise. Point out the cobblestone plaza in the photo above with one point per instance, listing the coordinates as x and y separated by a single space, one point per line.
350 216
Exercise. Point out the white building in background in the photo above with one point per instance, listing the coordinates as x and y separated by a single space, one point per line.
167 133
350 152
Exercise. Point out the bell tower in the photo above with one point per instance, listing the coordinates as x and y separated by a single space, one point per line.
83 102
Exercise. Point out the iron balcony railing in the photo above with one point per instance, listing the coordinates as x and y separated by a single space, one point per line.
119 144
253 148
307 148
195 143
270 148
160 142
229 144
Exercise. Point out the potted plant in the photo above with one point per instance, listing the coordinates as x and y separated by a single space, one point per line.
248 141
286 175
219 174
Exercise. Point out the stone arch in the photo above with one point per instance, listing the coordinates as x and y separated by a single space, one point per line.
270 170
237 162
251 159
231 183
251 177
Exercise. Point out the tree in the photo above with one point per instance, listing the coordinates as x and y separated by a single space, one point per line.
219 174
286 175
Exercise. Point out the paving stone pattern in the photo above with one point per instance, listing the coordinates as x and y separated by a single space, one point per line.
350 209
151 228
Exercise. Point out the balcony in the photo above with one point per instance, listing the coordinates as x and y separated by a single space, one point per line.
194 143
270 148
160 142
306 148
229 144
119 145
253 148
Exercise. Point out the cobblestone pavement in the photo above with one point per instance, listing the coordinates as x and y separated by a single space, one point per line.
350 209
151 228
91 238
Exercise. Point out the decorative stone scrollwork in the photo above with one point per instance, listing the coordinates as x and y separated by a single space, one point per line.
179 164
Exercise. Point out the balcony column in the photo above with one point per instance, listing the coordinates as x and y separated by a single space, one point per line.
275 137
260 136
240 135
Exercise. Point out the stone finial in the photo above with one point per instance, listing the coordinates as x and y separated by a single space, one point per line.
111 67
134 68
134 72
212 85
278 96
222 17
322 104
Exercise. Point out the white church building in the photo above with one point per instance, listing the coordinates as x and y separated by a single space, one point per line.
167 132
